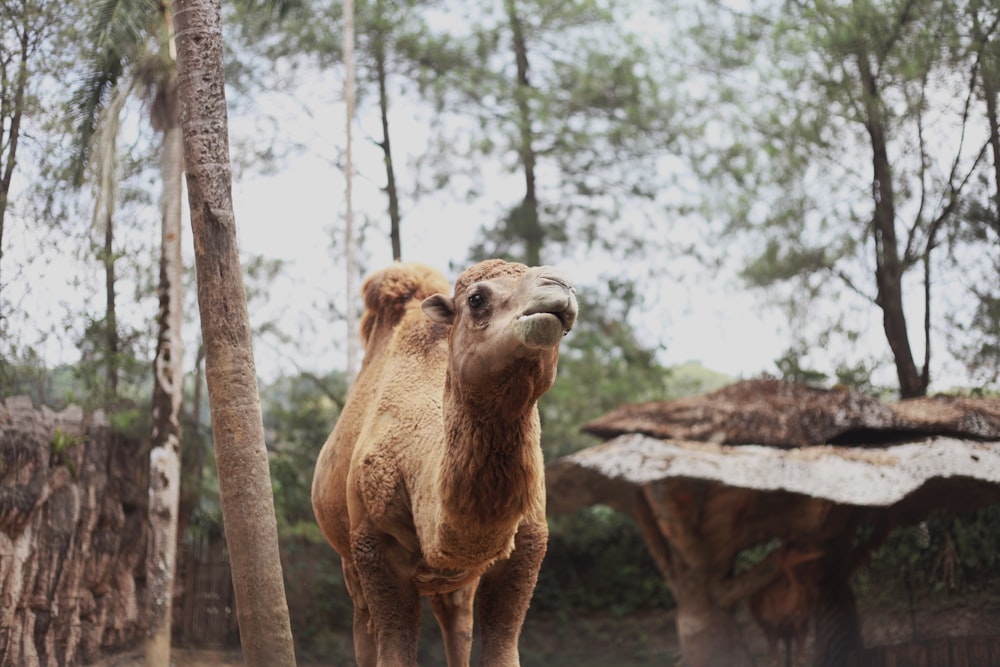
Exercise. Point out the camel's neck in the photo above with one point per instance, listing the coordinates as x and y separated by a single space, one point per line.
492 463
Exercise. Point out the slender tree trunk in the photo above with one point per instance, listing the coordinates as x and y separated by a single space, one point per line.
888 267
525 218
192 453
168 391
353 346
378 40
105 155
11 109
110 314
237 425
990 93
989 69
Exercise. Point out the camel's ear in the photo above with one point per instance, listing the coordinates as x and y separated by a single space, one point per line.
439 308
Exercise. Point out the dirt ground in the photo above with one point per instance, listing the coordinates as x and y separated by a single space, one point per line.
649 639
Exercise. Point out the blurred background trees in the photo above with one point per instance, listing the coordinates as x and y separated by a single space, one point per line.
841 160
849 147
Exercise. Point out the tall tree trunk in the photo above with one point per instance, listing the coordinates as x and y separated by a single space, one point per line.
888 267
524 218
989 70
989 73
168 391
193 448
378 43
110 314
708 632
709 635
12 92
353 344
237 425
105 154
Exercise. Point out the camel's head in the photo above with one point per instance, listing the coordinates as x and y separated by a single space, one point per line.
503 313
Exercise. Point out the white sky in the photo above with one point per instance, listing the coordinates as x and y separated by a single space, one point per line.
296 215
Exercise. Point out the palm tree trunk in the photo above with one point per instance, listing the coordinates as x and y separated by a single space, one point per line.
168 390
237 425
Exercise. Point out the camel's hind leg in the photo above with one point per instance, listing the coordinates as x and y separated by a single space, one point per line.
505 593
365 652
454 614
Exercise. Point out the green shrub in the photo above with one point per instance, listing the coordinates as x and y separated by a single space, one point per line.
597 561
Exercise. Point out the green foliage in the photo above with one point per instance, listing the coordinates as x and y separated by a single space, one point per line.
598 561
299 413
134 421
588 127
319 606
62 442
946 555
601 365
791 368
131 363
804 99
604 364
23 372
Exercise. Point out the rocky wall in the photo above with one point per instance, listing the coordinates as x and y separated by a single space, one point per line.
73 532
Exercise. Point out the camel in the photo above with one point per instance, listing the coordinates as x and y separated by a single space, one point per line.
784 607
431 483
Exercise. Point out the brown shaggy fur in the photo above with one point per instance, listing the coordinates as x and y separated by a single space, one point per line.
431 483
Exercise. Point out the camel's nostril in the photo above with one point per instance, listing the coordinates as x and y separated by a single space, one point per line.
550 279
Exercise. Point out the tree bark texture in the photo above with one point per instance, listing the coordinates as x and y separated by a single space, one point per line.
73 536
168 390
237 424
706 627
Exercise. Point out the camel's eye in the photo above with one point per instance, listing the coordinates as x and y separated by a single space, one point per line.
477 301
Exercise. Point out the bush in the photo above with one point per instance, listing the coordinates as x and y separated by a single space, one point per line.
597 561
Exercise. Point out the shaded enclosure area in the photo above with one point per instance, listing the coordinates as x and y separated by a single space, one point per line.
810 480
204 607
947 652
73 532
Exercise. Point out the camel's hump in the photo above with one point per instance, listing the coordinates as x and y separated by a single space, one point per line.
389 290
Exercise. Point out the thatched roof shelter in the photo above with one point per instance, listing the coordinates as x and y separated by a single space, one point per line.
781 414
823 471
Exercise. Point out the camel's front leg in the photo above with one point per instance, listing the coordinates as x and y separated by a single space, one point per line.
454 614
505 593
393 601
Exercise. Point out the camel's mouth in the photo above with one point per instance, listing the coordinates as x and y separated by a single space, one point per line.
541 330
561 317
